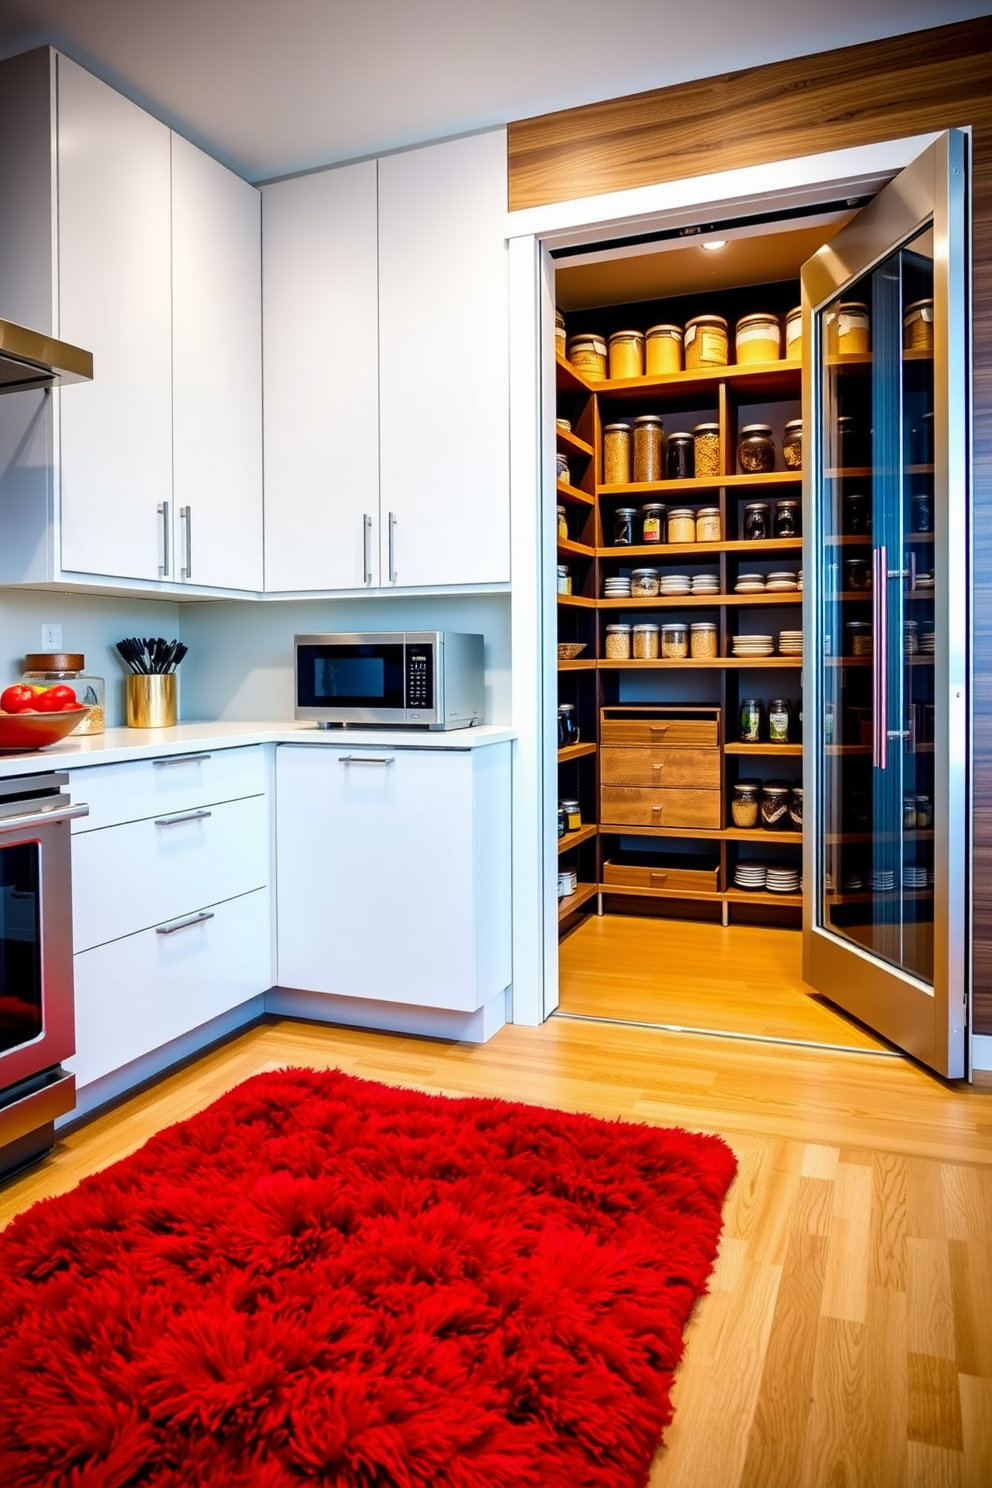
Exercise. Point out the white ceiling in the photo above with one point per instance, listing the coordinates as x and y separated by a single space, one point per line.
276 86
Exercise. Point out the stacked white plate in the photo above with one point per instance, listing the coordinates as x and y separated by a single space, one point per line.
616 588
928 642
780 583
705 584
782 879
852 883
924 581
883 880
790 642
799 579
753 645
750 875
675 584
750 584
913 878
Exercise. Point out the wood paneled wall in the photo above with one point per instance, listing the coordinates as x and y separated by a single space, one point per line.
901 86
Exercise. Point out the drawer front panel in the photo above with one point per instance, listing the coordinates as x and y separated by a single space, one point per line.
693 880
171 782
136 994
696 768
660 808
129 877
674 733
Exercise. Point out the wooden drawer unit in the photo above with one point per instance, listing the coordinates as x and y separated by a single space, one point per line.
623 806
660 871
661 728
654 766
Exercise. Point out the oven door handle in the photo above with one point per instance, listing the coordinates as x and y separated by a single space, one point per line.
33 819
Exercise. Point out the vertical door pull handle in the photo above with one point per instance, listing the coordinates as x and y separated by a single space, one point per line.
392 547
367 548
184 513
166 564
879 658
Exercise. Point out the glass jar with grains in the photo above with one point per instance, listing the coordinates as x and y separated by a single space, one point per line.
626 350
853 329
646 642
618 643
706 342
708 526
681 456
702 641
745 806
46 669
663 350
564 579
562 524
616 455
706 441
917 326
648 432
674 642
756 450
758 338
588 355
681 525
644 583
792 445
775 805
794 334
561 468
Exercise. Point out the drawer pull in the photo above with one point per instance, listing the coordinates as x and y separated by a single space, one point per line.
197 919
183 816
656 808
181 759
658 728
367 759
656 767
662 876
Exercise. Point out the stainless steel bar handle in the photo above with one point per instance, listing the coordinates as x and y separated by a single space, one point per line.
366 759
166 564
31 819
180 759
182 816
184 514
197 919
879 647
367 548
392 547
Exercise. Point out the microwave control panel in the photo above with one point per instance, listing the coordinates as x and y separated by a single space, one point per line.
419 678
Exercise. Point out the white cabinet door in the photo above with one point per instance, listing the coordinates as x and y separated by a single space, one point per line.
444 411
115 299
217 373
320 367
379 890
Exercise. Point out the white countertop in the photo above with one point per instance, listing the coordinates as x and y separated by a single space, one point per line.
120 744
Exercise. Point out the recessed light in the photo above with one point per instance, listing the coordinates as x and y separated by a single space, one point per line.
714 244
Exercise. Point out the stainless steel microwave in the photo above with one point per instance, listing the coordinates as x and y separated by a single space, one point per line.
424 678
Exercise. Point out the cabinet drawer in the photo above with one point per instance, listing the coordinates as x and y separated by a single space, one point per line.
135 994
129 877
659 874
662 733
170 782
653 767
660 808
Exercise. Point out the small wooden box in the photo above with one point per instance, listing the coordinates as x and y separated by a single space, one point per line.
670 871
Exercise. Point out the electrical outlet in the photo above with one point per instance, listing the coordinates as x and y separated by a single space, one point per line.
51 636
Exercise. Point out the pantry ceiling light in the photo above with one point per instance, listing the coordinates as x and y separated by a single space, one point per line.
714 244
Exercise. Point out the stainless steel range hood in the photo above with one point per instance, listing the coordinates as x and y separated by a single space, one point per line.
30 359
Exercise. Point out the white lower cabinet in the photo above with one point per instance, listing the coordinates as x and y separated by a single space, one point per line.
393 873
136 994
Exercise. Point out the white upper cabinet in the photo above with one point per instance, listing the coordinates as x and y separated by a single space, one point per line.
321 366
217 374
444 369
114 456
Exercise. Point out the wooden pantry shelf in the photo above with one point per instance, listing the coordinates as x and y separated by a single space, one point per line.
737 662
762 896
765 749
573 839
580 664
574 495
575 751
569 380
704 834
915 834
583 893
766 549
717 896
771 378
576 549
570 443
577 601
701 601
701 484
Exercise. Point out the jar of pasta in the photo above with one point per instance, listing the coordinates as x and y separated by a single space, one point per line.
853 329
917 326
626 351
681 525
794 334
646 642
702 641
623 526
654 523
792 444
618 643
663 350
708 527
588 355
706 442
616 455
644 583
758 338
681 460
706 342
559 334
745 808
674 641
648 431
756 450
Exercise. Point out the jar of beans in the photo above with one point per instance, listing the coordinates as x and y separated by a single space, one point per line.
674 642
663 350
792 445
756 450
745 808
702 641
648 432
618 643
616 455
681 525
646 642
706 439
775 805
794 334
758 338
681 461
917 326
626 351
644 583
853 329
706 342
587 355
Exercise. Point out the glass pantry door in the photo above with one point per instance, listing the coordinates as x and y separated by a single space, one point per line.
886 610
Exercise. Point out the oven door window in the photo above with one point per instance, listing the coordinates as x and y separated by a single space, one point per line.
20 945
357 676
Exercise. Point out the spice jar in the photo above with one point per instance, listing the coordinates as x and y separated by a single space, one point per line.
681 525
66 668
775 805
588 355
644 583
858 634
917 326
564 579
706 441
794 334
561 468
857 514
702 641
924 811
663 350
923 512
756 449
745 805
752 717
573 814
708 527
675 641
787 519
623 526
853 329
681 457
568 729
758 339
779 719
562 524
654 523
646 641
757 516
706 342
648 430
618 643
559 334
792 444
626 350
796 808
616 455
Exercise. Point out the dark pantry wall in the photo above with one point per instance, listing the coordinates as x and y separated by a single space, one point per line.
904 85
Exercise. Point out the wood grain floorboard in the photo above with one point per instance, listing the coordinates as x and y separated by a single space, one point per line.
846 1340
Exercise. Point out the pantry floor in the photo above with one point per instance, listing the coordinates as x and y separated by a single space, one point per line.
740 979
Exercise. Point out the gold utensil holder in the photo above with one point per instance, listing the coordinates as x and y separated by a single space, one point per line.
151 700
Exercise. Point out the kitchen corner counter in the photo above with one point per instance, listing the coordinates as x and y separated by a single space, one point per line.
120 744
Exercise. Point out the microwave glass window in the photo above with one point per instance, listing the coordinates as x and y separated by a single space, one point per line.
20 946
359 676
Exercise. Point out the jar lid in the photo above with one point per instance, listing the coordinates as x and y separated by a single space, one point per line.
796 310
562 509
708 511
922 496
626 336
564 424
54 661
681 435
652 629
747 785
755 429
612 428
849 305
566 707
653 506
559 319
643 573
757 506
621 628
675 626
776 787
703 625
787 505
650 418
797 788
665 330
856 496
706 429
568 801
794 424
780 703
588 343
681 511
626 511
706 320
761 317
858 625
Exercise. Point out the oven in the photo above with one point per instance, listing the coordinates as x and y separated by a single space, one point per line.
37 1030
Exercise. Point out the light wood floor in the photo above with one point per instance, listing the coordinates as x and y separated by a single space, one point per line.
847 1338
740 979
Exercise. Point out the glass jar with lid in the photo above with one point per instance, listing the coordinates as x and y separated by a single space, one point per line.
648 432
787 519
758 338
794 334
702 641
644 583
857 514
706 342
708 525
559 333
853 329
588 355
626 353
681 525
922 504
573 813
618 643
775 805
44 669
568 729
675 641
561 468
562 524
564 579
646 642
623 526
779 720
654 522
792 444
796 807
745 807
752 719
616 455
917 326
757 525
663 350
681 456
756 450
706 442
859 637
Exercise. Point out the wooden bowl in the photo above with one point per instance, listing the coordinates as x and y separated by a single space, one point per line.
21 731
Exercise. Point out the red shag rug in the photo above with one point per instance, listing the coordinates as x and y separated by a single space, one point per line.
325 1281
